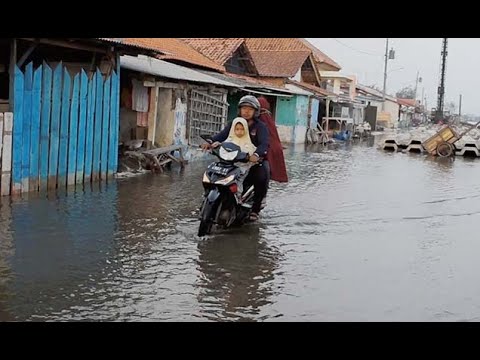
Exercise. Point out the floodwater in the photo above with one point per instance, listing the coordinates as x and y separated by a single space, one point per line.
357 235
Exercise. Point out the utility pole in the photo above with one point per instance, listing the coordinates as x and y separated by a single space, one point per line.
441 88
389 55
416 87
385 77
460 107
427 114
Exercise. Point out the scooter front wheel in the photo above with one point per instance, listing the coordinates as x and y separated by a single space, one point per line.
205 227
206 219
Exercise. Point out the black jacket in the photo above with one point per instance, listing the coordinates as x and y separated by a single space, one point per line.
258 135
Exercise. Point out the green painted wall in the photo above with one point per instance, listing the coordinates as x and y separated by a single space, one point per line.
286 111
292 111
302 111
233 101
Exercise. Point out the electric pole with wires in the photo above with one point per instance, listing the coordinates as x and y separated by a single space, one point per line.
441 89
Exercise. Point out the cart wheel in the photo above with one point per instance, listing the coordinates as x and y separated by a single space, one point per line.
445 149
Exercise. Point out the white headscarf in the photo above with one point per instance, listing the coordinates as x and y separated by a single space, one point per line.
244 142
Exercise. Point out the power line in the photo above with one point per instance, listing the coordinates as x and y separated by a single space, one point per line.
352 48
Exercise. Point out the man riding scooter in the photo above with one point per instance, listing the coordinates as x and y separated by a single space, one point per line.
258 175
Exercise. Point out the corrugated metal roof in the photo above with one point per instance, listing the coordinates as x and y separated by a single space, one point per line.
375 93
121 41
162 68
298 90
336 75
313 88
270 93
240 82
249 84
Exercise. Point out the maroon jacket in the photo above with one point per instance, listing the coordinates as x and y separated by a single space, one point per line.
278 170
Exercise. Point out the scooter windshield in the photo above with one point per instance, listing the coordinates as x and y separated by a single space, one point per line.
227 155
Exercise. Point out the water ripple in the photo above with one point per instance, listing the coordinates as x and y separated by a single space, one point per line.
356 234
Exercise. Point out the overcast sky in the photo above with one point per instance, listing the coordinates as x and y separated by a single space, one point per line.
365 59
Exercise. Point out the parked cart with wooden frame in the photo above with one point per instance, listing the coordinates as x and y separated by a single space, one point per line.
441 143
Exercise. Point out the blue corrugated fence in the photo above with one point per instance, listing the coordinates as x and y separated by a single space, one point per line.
65 127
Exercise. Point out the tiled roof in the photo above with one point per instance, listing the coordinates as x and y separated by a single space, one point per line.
174 49
275 44
277 57
279 63
312 88
218 50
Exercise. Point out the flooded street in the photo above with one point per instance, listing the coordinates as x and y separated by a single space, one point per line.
357 235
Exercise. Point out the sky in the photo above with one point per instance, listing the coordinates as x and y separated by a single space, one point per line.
364 57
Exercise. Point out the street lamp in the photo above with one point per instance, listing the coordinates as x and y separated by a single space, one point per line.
389 55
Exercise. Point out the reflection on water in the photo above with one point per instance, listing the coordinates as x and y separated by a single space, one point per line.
236 274
357 234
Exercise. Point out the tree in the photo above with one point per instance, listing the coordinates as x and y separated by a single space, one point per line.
407 92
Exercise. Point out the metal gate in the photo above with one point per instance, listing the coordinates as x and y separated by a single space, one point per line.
207 116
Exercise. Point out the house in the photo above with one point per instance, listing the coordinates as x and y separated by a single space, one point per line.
411 112
298 114
172 103
336 112
60 111
233 54
157 90
338 83
276 63
321 98
378 113
251 86
296 63
279 59
406 111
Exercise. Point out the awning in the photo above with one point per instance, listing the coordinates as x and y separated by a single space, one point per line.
299 90
247 85
165 69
